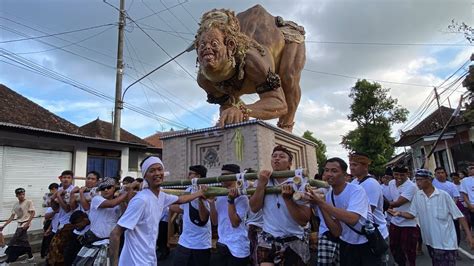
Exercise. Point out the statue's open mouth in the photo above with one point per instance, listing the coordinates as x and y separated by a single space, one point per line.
208 57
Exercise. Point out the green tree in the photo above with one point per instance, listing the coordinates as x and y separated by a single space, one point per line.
320 149
375 112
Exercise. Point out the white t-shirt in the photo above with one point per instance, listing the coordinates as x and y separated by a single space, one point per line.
467 187
164 216
406 190
54 220
386 191
435 215
277 221
235 238
374 193
322 224
447 186
142 219
193 236
103 220
354 199
64 216
254 218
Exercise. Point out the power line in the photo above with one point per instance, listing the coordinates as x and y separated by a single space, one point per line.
73 44
162 98
357 78
149 27
56 34
176 17
187 11
154 41
70 44
146 96
159 11
154 89
57 47
163 49
38 69
391 44
429 107
166 22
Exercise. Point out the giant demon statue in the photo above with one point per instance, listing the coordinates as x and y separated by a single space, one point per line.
253 52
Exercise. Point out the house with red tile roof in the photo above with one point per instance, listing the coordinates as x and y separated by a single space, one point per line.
455 149
36 145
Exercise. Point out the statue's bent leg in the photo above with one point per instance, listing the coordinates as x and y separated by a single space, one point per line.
291 65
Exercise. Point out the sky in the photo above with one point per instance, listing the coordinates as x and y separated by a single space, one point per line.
404 45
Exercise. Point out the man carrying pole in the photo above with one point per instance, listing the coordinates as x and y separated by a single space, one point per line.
194 245
141 220
228 213
282 240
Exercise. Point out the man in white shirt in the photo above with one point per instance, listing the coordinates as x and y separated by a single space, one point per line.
105 210
254 223
467 191
228 213
24 211
87 192
49 215
403 232
435 211
386 178
64 234
346 205
194 244
359 166
441 183
141 220
282 239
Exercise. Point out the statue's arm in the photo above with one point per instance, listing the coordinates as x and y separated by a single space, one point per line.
260 71
213 95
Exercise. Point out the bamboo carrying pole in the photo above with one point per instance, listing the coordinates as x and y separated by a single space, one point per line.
247 176
219 191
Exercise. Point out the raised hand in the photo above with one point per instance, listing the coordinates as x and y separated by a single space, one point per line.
287 191
263 177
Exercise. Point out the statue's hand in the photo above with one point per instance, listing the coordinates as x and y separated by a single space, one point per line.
231 115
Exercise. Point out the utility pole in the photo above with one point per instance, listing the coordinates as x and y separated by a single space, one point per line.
446 146
118 80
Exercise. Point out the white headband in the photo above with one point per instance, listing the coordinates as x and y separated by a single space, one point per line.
149 162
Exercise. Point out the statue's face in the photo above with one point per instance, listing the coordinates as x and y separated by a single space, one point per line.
211 49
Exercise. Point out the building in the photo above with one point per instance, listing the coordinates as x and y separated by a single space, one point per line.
453 151
37 145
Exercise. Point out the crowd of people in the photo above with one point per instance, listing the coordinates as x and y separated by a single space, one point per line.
359 219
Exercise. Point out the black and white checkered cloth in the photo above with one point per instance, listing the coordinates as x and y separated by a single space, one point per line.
328 252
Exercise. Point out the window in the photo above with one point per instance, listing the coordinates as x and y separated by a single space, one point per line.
105 162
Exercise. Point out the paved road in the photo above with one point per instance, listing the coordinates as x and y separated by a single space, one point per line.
423 260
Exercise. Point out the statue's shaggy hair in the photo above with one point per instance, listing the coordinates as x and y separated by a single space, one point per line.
226 21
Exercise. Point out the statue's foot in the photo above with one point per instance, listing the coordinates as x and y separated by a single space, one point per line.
286 126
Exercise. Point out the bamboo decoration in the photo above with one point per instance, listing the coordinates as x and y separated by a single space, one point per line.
247 176
219 191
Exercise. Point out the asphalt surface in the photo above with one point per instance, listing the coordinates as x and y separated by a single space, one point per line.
466 258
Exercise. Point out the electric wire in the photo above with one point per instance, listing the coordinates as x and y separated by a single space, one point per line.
57 34
36 68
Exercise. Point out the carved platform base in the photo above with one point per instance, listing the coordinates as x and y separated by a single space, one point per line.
248 144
